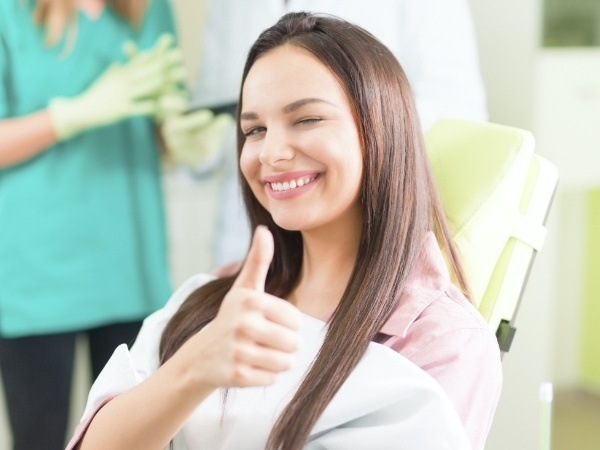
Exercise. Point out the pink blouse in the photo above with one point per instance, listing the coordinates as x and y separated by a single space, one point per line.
439 330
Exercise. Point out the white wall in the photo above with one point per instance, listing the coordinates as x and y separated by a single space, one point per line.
567 114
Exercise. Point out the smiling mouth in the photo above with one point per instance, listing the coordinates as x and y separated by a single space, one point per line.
292 184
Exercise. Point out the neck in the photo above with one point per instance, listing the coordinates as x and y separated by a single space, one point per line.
329 256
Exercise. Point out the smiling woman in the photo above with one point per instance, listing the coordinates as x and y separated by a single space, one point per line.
344 309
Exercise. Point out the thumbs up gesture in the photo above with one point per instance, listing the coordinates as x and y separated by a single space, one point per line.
254 335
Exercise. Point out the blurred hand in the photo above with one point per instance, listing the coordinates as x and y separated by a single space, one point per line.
175 74
194 139
254 335
123 90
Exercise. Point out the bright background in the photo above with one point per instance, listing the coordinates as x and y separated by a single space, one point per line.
555 93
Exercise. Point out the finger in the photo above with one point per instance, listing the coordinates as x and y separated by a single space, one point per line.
281 312
177 75
221 123
254 272
174 103
190 123
165 59
256 328
146 88
130 49
143 108
264 358
163 42
150 69
152 83
248 376
276 337
173 58
157 72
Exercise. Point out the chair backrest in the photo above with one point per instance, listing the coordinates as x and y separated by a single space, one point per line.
496 194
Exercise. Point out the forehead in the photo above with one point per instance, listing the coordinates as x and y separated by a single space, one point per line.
287 73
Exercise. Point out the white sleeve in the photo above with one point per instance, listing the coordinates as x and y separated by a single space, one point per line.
127 368
225 41
230 29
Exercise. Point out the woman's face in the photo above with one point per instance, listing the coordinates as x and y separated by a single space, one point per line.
302 156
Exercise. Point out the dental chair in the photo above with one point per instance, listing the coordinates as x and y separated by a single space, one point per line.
496 194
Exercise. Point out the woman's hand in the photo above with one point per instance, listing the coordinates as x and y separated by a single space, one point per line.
252 339
254 335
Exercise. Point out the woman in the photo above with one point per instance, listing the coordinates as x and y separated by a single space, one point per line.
333 164
82 233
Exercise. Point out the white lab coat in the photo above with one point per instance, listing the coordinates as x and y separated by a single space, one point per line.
434 40
386 403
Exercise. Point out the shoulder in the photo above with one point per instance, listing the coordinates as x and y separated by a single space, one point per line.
451 311
146 343
432 309
144 352
183 292
449 323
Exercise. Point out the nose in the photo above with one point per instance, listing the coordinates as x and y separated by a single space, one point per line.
276 148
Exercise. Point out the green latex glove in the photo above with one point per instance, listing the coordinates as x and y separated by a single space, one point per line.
123 90
194 139
176 73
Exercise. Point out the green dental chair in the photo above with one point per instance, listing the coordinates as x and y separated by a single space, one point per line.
496 193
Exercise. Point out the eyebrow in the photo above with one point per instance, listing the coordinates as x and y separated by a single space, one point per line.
288 108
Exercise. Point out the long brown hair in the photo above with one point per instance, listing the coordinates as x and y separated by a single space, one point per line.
59 16
399 202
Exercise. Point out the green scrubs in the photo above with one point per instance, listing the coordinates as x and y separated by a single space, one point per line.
82 228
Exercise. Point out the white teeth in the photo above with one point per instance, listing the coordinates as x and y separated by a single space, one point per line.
292 184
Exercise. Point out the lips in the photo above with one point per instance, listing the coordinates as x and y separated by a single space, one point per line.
290 184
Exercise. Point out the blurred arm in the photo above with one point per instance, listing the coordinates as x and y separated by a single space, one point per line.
25 137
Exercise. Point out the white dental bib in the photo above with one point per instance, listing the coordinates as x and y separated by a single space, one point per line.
386 403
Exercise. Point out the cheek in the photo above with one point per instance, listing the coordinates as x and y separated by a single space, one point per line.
354 168
356 180
249 165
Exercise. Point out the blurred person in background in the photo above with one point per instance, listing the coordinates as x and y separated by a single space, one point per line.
82 227
434 40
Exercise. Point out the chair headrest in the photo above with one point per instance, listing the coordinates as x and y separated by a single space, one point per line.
481 171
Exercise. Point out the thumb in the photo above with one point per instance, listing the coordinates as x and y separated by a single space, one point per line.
256 266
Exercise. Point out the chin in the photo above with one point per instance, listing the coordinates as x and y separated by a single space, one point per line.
290 222
287 225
